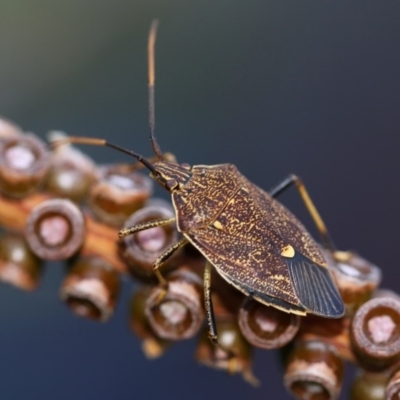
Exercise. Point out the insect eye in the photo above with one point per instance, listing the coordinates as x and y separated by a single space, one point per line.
171 184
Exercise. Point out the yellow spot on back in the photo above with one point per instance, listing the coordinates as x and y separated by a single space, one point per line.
217 225
288 251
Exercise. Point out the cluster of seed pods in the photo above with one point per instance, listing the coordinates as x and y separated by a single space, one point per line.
59 205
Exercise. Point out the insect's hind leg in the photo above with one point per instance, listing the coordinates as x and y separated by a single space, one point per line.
319 223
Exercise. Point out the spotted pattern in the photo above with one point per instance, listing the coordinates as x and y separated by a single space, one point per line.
242 231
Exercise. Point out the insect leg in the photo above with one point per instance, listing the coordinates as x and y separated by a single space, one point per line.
164 257
212 328
319 223
142 227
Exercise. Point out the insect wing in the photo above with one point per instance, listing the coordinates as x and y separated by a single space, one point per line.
314 287
245 245
252 269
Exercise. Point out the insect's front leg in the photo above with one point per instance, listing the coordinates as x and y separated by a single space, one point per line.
161 260
142 227
163 257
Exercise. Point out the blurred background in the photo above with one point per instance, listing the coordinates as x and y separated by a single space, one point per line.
271 86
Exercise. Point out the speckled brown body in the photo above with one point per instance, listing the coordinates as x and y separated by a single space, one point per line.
243 232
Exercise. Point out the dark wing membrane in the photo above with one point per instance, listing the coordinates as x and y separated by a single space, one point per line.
315 287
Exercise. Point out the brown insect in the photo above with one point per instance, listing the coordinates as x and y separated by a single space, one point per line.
252 240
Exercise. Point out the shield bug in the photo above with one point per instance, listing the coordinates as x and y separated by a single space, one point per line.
252 240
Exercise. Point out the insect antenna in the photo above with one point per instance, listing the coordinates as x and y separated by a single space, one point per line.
101 142
152 78
154 144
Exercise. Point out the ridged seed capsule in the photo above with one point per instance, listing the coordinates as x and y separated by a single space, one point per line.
314 371
91 288
266 327
24 162
375 333
356 279
55 229
72 172
179 314
19 266
117 193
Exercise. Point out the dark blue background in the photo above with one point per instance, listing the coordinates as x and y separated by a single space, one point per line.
272 86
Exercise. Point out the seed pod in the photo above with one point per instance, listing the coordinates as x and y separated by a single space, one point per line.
8 128
24 162
141 249
55 229
72 172
393 386
179 315
369 386
333 332
233 354
118 193
19 266
356 279
266 327
314 371
91 288
152 345
375 335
